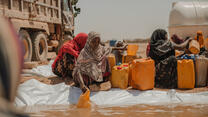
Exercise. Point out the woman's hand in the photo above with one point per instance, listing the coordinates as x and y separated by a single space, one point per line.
120 48
84 89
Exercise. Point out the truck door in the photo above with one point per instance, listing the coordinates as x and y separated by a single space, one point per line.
68 18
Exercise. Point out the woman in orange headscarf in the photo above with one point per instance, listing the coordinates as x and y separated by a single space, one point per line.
200 38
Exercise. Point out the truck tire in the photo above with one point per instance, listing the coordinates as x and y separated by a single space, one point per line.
27 44
61 43
40 46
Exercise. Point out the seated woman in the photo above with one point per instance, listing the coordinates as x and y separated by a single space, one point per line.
92 65
65 60
119 53
162 51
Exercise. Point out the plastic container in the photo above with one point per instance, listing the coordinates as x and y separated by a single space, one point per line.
143 74
194 47
112 60
128 58
206 43
186 74
84 100
132 49
201 71
113 43
130 75
177 53
119 77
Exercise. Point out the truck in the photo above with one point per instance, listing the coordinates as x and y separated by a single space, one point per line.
186 18
42 25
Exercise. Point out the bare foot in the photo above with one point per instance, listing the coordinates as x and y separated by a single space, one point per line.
105 86
94 88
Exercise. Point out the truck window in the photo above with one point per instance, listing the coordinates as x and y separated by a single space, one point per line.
66 5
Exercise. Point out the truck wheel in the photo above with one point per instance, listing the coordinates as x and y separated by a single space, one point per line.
40 47
61 43
27 44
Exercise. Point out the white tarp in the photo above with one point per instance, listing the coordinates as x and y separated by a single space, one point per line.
33 92
44 70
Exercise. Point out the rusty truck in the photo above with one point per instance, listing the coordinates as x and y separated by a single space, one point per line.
42 24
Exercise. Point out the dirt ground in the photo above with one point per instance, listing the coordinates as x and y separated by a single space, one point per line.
57 80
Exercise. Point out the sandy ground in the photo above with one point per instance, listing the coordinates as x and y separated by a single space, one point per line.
57 80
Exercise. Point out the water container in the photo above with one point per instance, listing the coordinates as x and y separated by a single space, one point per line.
112 60
201 71
178 53
194 47
113 43
143 74
84 100
130 74
132 49
186 74
206 43
128 58
119 77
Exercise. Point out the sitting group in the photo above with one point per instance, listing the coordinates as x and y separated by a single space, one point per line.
84 59
162 51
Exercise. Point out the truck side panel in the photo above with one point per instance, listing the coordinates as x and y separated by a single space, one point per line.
48 11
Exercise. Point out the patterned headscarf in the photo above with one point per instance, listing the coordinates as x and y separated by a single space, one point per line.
90 60
160 46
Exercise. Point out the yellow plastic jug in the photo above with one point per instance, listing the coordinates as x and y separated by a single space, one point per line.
128 58
119 77
130 75
84 100
186 74
143 74
206 43
194 47
132 49
177 53
112 60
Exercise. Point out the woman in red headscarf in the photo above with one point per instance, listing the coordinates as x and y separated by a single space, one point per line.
65 60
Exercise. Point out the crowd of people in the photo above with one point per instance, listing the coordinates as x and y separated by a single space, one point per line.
84 59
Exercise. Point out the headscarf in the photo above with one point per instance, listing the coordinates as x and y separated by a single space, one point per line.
160 46
72 47
11 60
90 61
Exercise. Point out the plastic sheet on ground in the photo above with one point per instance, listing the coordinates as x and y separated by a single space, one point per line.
44 70
33 92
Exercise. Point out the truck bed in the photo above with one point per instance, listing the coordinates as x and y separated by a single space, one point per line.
34 10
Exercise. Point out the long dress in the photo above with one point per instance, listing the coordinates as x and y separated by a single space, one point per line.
163 53
92 64
69 52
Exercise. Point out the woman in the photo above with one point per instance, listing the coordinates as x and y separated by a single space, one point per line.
162 51
119 53
64 62
92 66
